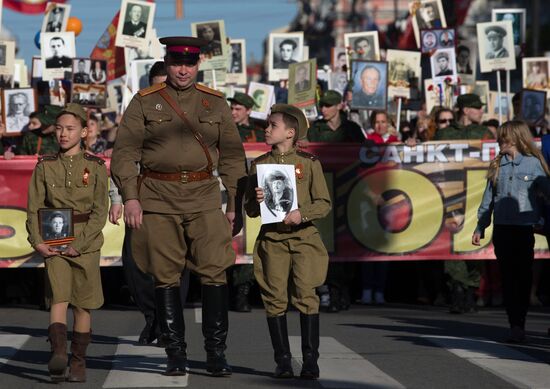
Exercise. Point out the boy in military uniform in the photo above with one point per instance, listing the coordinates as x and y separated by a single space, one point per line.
77 180
292 247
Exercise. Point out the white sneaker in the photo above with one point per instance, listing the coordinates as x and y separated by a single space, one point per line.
379 298
366 298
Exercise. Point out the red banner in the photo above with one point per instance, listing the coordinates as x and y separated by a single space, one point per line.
29 6
105 49
389 203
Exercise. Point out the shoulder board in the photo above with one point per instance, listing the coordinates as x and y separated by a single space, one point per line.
91 157
151 89
205 89
49 157
261 157
306 155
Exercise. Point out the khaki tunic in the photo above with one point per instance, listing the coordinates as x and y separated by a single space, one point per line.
153 135
297 251
59 182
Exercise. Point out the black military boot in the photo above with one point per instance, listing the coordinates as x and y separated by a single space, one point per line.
214 328
309 325
334 304
241 298
279 339
170 318
457 299
470 301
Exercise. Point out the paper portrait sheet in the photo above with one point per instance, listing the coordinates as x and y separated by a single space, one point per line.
280 196
135 24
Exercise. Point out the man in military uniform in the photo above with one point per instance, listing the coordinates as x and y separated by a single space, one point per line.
55 23
180 132
334 126
241 107
82 76
464 276
495 36
367 95
442 60
134 26
58 58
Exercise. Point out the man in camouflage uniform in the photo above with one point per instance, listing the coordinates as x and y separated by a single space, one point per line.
41 140
180 132
464 276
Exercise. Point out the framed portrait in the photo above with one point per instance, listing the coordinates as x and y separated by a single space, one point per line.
7 56
89 95
443 65
495 103
338 60
215 54
338 81
56 226
466 61
57 51
517 17
536 73
437 38
532 106
311 112
17 105
115 89
135 24
236 71
426 15
363 46
55 17
496 46
284 49
81 70
302 83
20 73
370 84
263 95
403 72
139 73
98 71
280 195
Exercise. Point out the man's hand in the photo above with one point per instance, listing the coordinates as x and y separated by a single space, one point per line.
133 214
70 252
115 212
259 194
230 218
8 154
476 239
45 250
293 218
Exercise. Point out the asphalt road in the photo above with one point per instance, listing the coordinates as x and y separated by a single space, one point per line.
394 346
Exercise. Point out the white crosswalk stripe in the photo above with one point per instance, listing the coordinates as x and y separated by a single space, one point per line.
342 368
137 366
9 345
198 315
507 363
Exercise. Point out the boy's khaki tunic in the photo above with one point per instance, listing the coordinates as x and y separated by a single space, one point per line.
281 249
79 182
180 219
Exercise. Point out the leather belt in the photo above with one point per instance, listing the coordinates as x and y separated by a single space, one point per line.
81 218
183 177
281 227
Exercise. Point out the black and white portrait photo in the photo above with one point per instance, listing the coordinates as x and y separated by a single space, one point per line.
89 95
7 57
216 52
81 71
284 49
139 73
443 65
496 46
237 62
427 14
536 73
17 105
98 71
370 89
532 106
466 61
56 225
517 17
439 38
263 95
302 83
338 81
338 59
56 17
364 46
135 24
57 51
279 186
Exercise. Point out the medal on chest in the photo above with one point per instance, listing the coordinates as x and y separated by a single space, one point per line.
85 177
299 169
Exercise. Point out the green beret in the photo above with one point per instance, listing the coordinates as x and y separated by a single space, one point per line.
296 113
49 114
76 110
330 98
242 99
496 29
469 100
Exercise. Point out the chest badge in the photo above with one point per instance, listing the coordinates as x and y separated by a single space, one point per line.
206 103
299 171
86 177
158 107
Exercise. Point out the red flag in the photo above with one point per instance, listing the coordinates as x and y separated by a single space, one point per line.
105 49
29 6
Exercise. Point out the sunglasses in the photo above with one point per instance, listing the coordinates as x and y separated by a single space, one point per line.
443 121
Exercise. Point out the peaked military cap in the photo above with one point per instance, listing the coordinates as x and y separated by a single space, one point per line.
183 49
242 99
469 100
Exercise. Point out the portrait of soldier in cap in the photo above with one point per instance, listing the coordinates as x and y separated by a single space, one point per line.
495 39
278 192
443 65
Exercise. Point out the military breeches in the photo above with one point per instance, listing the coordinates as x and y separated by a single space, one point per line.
302 263
166 244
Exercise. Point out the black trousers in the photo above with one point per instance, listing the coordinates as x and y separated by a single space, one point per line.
514 249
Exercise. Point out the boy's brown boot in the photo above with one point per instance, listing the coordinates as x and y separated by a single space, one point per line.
57 366
79 344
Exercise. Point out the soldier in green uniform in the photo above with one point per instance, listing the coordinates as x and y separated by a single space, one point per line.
41 138
70 179
464 276
334 127
241 107
242 276
180 132
292 248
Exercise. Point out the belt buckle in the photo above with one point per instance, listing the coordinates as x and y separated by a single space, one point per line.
184 177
